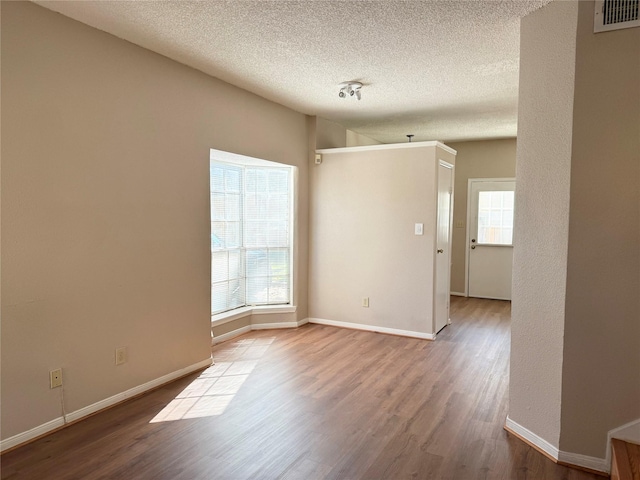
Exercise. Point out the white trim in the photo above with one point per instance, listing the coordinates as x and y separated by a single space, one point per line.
31 434
436 202
269 309
269 326
101 405
492 298
229 335
373 328
230 316
592 463
258 326
387 146
629 432
533 439
239 159
458 294
575 459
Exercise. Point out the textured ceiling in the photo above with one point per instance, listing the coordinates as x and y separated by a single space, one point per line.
442 70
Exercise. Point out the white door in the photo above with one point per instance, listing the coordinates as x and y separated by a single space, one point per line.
443 245
490 238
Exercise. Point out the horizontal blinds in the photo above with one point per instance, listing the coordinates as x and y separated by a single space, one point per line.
251 236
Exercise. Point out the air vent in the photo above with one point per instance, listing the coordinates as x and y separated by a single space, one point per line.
615 15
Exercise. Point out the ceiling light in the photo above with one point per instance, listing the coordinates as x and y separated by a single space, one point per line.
350 89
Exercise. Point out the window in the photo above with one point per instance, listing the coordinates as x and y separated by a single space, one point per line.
495 218
251 232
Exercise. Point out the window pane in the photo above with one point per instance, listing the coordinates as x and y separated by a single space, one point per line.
279 262
235 264
495 217
219 266
278 292
507 236
232 207
253 234
217 206
250 235
217 179
219 297
278 207
257 290
232 234
278 181
278 235
508 199
218 234
507 218
232 180
257 263
236 294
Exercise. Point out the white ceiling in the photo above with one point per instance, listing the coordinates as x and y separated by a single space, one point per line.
442 70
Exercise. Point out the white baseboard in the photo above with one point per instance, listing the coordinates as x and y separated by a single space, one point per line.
258 326
372 328
320 321
629 432
584 461
458 294
576 459
269 326
31 434
532 438
101 405
229 335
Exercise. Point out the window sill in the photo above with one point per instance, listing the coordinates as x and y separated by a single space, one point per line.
225 317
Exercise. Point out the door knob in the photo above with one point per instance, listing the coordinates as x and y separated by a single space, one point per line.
440 250
473 247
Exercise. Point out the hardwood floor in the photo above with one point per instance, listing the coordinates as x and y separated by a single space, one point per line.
313 403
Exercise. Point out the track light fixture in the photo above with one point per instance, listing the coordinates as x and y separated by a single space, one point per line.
350 89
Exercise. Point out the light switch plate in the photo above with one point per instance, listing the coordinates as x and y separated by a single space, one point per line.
419 229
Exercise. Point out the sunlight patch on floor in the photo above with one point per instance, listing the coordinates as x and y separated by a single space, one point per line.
211 393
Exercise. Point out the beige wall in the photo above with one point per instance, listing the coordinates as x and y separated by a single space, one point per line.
357 140
363 209
575 353
330 134
603 279
545 115
105 209
482 159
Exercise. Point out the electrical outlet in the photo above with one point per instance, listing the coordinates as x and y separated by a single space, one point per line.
365 301
55 378
121 355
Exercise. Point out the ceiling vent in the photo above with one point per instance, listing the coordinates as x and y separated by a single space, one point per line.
615 15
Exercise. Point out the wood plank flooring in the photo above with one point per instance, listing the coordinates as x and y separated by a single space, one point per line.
316 402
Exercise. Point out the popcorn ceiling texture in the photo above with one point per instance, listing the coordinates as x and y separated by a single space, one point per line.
439 70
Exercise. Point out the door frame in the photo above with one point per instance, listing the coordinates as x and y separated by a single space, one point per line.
470 182
452 167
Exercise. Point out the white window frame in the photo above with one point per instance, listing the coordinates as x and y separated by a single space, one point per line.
244 311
